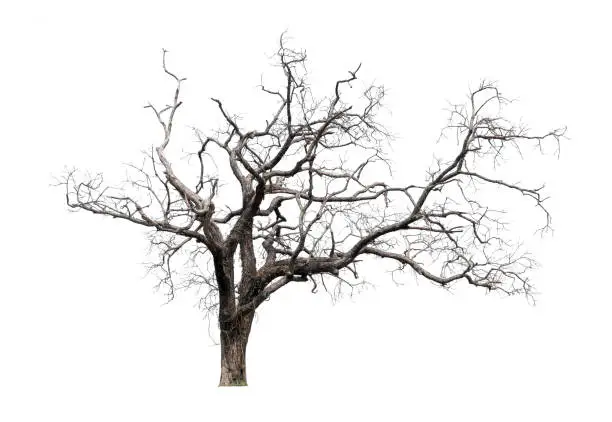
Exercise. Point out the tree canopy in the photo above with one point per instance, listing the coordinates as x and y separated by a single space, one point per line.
308 195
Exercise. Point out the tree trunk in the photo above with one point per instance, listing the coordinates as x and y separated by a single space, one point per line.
234 338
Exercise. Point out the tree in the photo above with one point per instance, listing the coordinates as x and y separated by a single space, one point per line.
313 205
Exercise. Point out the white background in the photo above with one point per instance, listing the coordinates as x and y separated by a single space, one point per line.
84 338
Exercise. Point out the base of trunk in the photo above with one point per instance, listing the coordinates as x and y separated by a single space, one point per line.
234 338
233 362
233 380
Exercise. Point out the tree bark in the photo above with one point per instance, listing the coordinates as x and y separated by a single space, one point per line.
234 339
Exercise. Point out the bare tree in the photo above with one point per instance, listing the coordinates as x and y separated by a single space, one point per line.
314 204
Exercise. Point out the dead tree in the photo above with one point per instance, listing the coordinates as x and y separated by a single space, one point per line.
313 204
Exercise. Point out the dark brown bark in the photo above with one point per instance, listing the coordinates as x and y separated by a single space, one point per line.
234 339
